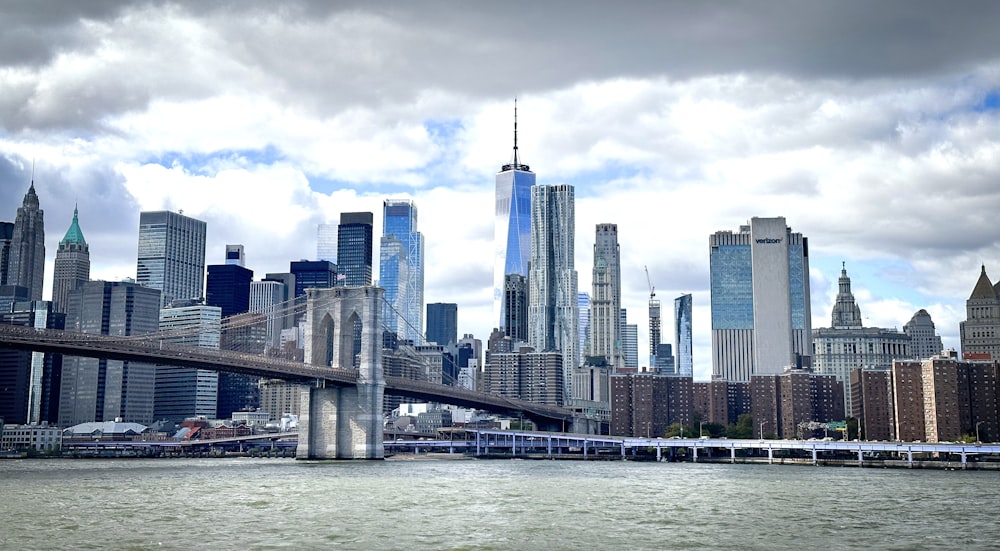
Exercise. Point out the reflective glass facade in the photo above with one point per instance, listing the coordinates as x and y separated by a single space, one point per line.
401 270
512 229
761 318
683 306
171 255
354 249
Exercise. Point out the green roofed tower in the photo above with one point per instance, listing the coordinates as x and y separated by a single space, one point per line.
72 265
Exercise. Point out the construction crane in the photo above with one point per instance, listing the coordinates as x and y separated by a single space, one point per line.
652 291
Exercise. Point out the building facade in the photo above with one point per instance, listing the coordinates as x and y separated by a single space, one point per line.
27 247
183 392
980 332
683 336
515 309
171 255
924 340
846 345
29 380
552 279
401 269
442 323
72 264
526 375
605 297
511 227
101 389
760 300
326 242
354 249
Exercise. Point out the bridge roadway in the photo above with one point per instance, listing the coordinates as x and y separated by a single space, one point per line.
156 351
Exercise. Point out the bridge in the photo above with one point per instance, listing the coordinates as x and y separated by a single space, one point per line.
332 317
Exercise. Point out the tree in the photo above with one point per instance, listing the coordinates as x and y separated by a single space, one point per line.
742 429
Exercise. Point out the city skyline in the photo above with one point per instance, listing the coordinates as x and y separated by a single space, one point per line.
670 135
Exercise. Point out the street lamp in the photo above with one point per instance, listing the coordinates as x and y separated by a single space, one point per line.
700 425
977 431
762 423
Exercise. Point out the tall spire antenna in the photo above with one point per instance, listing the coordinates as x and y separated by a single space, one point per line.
517 161
32 171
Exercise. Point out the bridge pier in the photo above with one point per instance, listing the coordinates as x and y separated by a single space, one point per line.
343 422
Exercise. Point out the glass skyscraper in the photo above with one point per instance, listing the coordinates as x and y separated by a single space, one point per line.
171 256
760 300
553 314
183 392
512 225
401 270
100 389
354 249
442 323
683 305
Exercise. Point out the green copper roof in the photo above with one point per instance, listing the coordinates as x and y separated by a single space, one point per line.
74 234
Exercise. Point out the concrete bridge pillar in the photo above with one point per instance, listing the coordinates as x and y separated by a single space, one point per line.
344 330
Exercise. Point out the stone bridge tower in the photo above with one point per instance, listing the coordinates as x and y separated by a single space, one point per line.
344 331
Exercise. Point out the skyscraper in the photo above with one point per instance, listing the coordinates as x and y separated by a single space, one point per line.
980 332
401 270
6 236
583 325
266 298
354 249
442 323
326 242
552 281
605 300
183 392
72 265
512 226
228 287
760 300
171 256
29 381
515 310
630 342
27 247
924 340
682 335
100 389
846 346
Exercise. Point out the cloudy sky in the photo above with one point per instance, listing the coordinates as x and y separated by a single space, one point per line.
871 126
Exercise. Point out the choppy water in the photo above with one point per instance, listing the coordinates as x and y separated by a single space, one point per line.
476 504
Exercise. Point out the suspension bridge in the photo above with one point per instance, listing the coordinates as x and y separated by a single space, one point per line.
343 353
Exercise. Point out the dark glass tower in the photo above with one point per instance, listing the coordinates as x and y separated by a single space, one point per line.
72 265
101 389
354 249
29 381
228 287
27 247
442 323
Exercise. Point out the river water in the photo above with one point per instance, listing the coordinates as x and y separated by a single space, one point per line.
245 503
